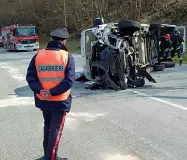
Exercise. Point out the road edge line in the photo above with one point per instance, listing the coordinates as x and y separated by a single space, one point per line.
160 100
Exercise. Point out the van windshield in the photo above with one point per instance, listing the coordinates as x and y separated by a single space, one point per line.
23 32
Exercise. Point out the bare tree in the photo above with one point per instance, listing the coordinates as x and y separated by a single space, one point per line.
79 14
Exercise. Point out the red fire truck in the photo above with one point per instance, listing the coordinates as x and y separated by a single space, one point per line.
20 37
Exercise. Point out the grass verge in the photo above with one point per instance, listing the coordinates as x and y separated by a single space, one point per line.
184 59
73 45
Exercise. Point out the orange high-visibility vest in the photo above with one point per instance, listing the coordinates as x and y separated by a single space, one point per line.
50 66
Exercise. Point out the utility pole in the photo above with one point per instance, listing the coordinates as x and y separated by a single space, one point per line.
65 18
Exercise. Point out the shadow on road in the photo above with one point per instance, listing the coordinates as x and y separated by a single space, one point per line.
160 87
24 91
77 91
170 97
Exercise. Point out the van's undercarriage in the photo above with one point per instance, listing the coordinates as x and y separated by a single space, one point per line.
114 62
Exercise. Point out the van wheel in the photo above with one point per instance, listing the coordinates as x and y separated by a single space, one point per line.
169 64
158 67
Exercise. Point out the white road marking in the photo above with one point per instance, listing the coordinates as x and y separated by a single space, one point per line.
73 119
120 157
71 123
160 100
16 101
13 72
85 116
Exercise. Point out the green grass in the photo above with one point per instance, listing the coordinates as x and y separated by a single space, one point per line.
73 45
184 59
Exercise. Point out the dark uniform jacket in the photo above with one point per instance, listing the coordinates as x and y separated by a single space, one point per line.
177 40
165 44
65 85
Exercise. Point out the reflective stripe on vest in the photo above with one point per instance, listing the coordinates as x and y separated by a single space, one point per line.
50 66
50 79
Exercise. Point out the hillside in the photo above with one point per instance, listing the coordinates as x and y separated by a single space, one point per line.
80 13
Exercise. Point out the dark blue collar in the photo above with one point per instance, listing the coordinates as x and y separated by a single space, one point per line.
55 45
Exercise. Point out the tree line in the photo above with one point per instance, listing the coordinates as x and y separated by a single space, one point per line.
79 14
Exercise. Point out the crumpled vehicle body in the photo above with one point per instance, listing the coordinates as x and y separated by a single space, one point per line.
117 55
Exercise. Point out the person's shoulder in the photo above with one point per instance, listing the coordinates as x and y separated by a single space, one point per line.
39 51
70 56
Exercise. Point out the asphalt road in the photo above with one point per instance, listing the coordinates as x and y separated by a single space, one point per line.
147 123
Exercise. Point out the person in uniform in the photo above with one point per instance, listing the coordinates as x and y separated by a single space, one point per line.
50 75
165 47
177 44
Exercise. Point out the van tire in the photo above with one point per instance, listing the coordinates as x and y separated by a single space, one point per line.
158 67
169 64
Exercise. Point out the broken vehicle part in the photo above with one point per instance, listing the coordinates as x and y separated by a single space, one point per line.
113 55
